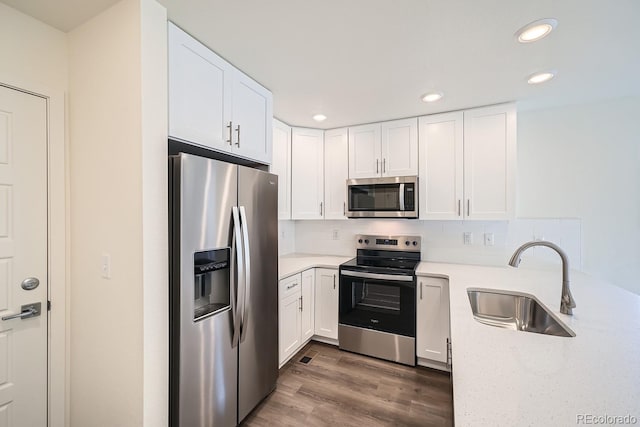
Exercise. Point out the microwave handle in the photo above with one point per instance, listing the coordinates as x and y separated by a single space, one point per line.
401 196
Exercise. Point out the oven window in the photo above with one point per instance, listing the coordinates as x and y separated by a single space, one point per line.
381 305
374 197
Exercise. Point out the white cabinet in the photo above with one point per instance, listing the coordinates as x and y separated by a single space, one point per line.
384 149
400 147
432 320
326 303
490 162
215 105
289 316
364 151
468 163
295 313
307 304
441 164
307 173
336 172
281 166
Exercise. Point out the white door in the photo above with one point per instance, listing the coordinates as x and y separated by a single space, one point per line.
432 318
252 119
364 151
327 303
307 305
23 254
400 147
289 326
307 174
441 166
336 172
200 84
281 166
490 162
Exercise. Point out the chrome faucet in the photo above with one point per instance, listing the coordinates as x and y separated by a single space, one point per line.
567 303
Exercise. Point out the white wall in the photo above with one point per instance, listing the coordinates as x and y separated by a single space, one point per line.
442 241
584 161
118 207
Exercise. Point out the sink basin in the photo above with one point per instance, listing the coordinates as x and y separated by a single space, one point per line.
515 310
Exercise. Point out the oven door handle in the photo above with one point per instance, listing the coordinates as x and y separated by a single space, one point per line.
401 197
378 276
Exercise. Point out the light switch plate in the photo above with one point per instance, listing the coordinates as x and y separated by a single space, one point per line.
105 266
489 239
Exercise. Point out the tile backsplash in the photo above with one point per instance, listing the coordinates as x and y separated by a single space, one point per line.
442 241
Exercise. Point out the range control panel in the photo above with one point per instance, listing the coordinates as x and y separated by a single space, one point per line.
389 243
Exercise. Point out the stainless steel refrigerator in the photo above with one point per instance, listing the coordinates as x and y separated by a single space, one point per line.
223 290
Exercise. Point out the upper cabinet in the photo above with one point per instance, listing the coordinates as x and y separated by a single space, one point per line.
307 174
215 105
384 149
281 166
468 164
336 172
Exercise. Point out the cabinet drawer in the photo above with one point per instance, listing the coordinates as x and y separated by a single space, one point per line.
290 286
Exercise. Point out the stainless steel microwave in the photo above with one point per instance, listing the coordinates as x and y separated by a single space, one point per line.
390 197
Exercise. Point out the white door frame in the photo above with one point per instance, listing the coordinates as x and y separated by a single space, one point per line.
57 250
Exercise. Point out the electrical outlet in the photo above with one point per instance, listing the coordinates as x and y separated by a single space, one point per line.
105 266
335 235
488 239
468 238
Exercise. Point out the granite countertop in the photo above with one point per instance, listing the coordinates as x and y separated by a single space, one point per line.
507 378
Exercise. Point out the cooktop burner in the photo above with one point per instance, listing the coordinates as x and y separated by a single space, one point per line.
386 254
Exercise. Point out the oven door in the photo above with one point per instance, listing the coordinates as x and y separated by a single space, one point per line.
380 302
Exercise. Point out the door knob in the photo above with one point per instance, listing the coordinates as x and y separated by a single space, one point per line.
26 311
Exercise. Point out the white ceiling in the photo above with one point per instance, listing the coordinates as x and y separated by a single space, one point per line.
360 61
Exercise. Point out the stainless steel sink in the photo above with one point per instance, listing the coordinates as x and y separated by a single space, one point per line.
515 310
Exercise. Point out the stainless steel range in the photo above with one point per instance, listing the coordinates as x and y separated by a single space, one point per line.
377 314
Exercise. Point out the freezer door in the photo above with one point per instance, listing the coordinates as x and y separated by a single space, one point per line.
203 379
258 358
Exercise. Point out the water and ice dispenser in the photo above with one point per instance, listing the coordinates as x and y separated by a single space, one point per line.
211 282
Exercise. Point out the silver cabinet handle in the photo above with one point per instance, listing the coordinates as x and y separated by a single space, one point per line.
420 290
26 311
468 207
334 281
230 127
238 131
292 286
344 208
459 203
384 165
246 306
320 208
377 166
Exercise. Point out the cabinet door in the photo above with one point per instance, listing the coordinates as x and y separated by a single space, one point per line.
441 166
252 119
326 314
365 151
199 92
307 305
432 317
400 148
490 162
289 326
307 175
336 172
281 166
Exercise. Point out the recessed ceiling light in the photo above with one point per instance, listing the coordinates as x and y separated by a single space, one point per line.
536 30
542 77
319 117
432 97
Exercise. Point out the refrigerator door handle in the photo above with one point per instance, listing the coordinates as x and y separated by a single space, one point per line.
247 274
237 285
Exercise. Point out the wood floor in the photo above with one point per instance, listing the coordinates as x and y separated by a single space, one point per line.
338 388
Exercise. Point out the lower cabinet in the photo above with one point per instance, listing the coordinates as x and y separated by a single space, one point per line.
432 322
326 315
296 313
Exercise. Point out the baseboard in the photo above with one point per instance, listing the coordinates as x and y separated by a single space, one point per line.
325 340
441 366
